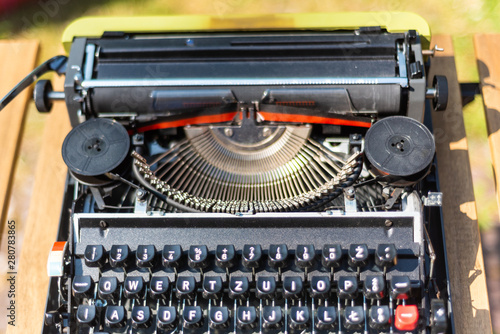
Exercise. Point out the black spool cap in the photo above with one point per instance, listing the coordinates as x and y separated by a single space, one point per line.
400 148
94 148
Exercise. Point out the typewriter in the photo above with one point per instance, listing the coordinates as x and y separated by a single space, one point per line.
248 174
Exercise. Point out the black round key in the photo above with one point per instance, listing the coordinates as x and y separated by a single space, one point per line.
166 317
141 317
82 287
354 317
118 256
218 318
265 287
108 288
299 317
145 255
320 287
85 315
326 317
246 317
192 317
277 255
304 256
347 287
374 287
358 255
158 287
115 317
292 287
238 287
186 287
400 287
251 256
133 287
212 287
385 255
331 256
171 256
225 256
272 317
52 318
94 256
379 317
198 256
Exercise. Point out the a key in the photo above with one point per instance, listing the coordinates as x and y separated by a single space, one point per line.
272 317
326 317
158 287
94 256
374 287
238 287
246 317
82 287
133 287
358 255
292 287
304 256
379 317
251 256
320 287
212 287
299 317
86 315
354 317
145 255
141 317
115 317
108 288
198 256
347 287
192 317
218 318
119 256
171 256
400 287
186 287
166 317
277 255
225 256
266 287
331 256
385 255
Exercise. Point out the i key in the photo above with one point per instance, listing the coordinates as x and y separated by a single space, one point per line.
292 287
85 315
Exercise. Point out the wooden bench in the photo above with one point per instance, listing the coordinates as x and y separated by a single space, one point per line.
467 278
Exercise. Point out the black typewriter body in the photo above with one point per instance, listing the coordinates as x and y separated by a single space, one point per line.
268 181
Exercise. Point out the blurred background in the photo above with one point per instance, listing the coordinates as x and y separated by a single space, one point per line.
45 21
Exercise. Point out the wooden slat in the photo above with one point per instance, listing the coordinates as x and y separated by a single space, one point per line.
487 48
465 258
42 224
17 59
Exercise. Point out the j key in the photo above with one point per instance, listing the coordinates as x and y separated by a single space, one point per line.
331 256
304 256
119 256
145 255
266 287
246 317
192 317
133 287
238 287
358 255
374 287
272 317
379 317
400 287
320 287
158 287
347 287
94 256
218 318
225 256
277 255
292 287
354 317
85 315
141 317
326 318
212 287
385 255
108 288
171 255
166 317
186 287
197 256
115 316
83 287
251 256
299 317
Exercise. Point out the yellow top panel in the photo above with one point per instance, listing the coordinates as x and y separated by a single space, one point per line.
391 21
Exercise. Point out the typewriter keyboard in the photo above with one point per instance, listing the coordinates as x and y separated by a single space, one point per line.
212 274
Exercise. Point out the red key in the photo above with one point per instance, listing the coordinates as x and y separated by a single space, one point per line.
406 317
